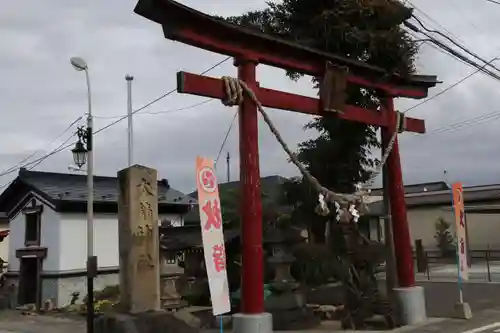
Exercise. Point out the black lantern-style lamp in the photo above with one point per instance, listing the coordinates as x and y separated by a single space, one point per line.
79 154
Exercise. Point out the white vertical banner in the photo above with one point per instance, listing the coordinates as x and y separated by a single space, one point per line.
459 212
213 235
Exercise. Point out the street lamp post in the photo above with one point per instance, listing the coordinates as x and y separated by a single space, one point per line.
83 153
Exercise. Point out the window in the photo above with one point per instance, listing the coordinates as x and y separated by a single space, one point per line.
171 258
32 232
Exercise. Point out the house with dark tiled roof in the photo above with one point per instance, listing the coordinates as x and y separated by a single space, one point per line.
425 203
46 213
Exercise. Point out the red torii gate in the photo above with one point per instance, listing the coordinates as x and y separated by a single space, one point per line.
249 48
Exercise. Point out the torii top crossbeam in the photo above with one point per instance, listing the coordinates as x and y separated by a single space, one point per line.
195 28
250 48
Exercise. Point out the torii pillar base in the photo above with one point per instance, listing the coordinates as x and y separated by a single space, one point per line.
253 323
411 298
411 301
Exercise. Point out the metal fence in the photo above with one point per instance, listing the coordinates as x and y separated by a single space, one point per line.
484 265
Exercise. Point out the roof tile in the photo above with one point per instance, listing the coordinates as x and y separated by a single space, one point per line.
73 187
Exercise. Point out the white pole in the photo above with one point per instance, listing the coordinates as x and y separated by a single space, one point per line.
129 79
91 259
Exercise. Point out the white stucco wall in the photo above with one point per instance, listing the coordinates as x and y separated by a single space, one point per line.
73 240
483 229
49 234
4 245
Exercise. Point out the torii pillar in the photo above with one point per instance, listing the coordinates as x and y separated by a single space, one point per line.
250 48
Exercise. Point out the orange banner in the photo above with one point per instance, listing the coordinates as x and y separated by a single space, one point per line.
459 211
213 235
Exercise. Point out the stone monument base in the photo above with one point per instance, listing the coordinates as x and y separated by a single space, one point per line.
295 319
252 323
289 312
411 304
462 311
147 322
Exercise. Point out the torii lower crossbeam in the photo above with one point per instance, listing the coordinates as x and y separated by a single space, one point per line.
211 87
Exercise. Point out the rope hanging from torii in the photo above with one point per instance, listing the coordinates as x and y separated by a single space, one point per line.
351 204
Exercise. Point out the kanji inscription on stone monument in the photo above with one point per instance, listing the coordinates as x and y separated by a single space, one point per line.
138 239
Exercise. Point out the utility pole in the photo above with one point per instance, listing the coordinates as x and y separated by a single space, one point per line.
228 166
129 79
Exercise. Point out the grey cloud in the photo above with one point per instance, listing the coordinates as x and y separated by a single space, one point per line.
42 94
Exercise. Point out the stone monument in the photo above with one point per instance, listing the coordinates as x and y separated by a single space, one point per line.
139 310
139 240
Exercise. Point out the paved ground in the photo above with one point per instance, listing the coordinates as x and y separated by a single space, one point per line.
484 299
441 296
486 321
14 322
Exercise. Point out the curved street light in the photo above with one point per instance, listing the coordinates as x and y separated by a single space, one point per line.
82 155
78 63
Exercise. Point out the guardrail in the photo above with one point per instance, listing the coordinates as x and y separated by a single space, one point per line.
484 265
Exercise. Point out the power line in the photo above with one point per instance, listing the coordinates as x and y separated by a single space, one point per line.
435 47
492 116
165 111
494 1
49 144
56 149
487 63
39 160
434 21
453 52
65 146
448 88
225 138
157 99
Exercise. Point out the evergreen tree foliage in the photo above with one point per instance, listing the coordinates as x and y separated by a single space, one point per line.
365 30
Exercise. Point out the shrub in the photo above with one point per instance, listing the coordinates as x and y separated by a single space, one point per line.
444 237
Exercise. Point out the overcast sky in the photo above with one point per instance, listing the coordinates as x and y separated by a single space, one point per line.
41 94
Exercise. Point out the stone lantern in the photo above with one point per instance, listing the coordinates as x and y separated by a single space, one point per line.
170 274
286 303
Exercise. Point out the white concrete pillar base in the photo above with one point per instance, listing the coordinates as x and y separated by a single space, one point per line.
253 323
411 302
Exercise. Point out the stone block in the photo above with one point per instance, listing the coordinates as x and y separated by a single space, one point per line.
147 322
285 301
330 294
295 319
